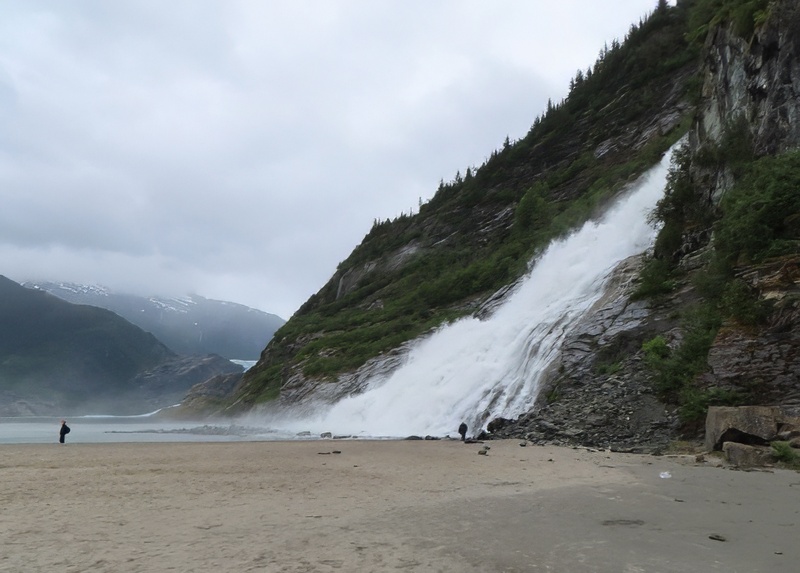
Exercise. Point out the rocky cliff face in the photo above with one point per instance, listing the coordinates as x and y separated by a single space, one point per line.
756 78
763 362
759 81
600 393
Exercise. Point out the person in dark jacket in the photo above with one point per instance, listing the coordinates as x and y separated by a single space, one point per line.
62 434
462 429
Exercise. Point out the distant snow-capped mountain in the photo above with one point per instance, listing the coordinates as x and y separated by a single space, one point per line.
190 325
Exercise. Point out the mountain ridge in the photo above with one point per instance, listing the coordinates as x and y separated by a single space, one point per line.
189 325
61 358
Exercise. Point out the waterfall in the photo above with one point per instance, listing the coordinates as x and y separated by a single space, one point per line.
473 370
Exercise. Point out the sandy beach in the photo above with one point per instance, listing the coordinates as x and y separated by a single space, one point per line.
428 506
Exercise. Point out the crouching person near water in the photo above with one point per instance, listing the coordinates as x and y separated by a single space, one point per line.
62 434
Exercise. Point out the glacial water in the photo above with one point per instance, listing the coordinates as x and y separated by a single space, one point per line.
117 429
146 427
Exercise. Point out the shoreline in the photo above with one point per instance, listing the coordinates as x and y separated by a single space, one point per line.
383 505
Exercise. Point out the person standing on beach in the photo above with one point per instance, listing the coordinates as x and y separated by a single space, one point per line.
62 434
462 429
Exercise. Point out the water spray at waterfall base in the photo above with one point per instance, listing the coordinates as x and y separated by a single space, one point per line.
475 370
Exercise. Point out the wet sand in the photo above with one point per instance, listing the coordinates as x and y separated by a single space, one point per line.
421 506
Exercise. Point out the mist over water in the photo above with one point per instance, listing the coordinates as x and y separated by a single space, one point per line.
98 429
475 370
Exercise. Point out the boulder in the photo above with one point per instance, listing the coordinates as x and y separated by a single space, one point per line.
752 425
744 456
497 424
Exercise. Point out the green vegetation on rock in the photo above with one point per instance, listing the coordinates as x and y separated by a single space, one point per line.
757 220
785 454
761 213
754 222
744 15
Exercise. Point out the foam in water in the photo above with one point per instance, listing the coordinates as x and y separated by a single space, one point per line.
475 370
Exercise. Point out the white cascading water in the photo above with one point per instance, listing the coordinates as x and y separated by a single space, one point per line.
475 370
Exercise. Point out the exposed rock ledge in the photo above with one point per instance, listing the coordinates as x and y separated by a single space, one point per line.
597 394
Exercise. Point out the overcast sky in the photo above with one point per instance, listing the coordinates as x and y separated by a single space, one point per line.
241 149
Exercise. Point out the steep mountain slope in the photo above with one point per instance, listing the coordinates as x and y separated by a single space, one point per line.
479 231
710 317
60 357
190 326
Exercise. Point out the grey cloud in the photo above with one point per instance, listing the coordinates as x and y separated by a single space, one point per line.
242 149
